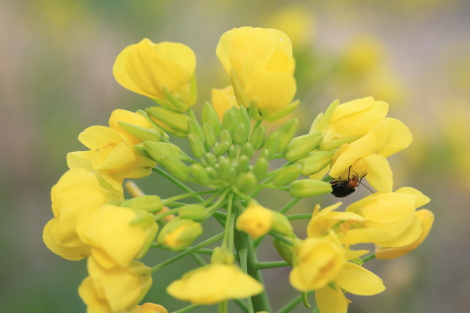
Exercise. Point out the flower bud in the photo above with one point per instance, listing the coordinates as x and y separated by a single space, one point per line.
229 121
198 174
257 137
149 203
158 151
222 256
179 233
243 164
172 122
194 212
247 150
209 116
308 188
284 176
226 171
273 116
260 169
315 162
322 120
141 133
211 136
286 133
221 147
256 220
303 145
176 168
246 182
241 134
272 144
196 129
285 251
174 102
281 224
197 147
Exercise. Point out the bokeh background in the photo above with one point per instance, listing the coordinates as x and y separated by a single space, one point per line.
56 60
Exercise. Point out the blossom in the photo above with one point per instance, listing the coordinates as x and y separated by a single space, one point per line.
149 69
117 235
149 308
223 100
114 290
367 155
179 233
260 64
214 283
111 156
75 196
138 123
256 220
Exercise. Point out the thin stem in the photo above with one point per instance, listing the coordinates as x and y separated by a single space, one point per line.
200 251
292 304
186 195
223 307
186 309
175 181
289 205
188 252
166 213
219 201
299 217
273 264
281 238
368 257
229 226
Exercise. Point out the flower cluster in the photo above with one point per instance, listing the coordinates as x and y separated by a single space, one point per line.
230 151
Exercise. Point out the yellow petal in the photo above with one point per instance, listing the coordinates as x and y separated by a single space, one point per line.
69 252
359 281
331 300
421 199
379 173
399 137
223 100
408 236
97 137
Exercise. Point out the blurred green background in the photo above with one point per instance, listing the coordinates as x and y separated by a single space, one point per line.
56 80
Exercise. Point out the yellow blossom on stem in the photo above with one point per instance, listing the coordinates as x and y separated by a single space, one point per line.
150 69
117 235
114 290
75 196
111 156
256 220
260 64
138 123
214 283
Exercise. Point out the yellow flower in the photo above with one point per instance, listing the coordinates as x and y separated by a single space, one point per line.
256 220
368 154
179 233
148 69
114 290
425 218
260 64
149 308
351 278
132 118
76 195
111 156
117 235
317 262
214 283
223 100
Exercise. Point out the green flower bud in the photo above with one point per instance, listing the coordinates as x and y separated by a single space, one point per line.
264 154
158 151
229 122
333 144
198 174
176 104
308 188
179 233
272 144
257 137
284 176
176 168
222 256
211 136
281 224
172 122
211 172
243 164
273 116
241 134
247 149
196 129
210 158
322 120
303 145
233 151
221 147
285 251
149 203
315 162
142 133
226 137
210 117
194 212
226 171
197 147
260 169
286 133
246 182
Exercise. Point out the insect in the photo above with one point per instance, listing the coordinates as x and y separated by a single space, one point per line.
345 187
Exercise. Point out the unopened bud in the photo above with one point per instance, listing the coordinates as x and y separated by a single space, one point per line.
158 151
308 188
241 134
197 147
211 136
273 116
172 122
198 174
229 122
285 176
221 147
303 145
272 144
176 168
196 129
226 171
260 169
286 133
315 162
257 137
149 203
176 104
281 224
141 133
243 164
247 150
209 116
222 256
320 123
179 233
285 251
256 220
194 212
246 182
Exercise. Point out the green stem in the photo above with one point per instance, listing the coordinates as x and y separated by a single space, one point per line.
166 213
299 217
282 238
292 304
175 181
185 195
188 252
217 204
368 257
273 264
229 226
186 309
223 307
289 205
200 251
